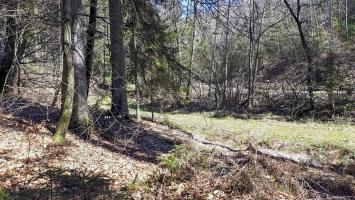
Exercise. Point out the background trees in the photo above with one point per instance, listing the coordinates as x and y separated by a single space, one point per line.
290 57
233 74
262 52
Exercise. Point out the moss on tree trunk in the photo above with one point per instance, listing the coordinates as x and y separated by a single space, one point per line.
68 76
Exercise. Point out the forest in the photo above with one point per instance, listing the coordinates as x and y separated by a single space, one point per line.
177 99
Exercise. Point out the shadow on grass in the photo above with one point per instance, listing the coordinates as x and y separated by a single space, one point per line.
56 183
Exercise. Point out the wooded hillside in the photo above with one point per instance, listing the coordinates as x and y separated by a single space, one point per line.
178 99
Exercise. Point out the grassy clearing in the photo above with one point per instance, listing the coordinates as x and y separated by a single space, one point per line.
324 141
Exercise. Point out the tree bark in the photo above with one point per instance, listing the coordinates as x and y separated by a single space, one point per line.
90 44
119 104
250 54
80 115
68 75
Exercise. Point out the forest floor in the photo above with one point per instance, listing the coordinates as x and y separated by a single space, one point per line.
183 156
145 160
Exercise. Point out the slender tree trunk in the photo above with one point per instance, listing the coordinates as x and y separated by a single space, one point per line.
226 64
80 115
20 50
107 43
213 63
8 54
134 58
257 42
179 54
119 92
330 14
307 50
192 52
250 54
90 44
60 86
346 19
68 75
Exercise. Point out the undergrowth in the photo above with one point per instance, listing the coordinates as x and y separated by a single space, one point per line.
3 194
193 172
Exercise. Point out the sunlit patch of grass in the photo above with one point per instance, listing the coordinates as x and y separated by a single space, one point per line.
321 138
182 157
136 185
106 101
131 88
324 141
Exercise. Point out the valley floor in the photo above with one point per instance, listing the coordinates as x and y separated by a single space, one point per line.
182 159
324 141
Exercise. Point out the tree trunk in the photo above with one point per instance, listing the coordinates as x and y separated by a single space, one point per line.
214 78
250 54
106 44
330 14
68 75
346 19
20 50
192 52
8 54
307 50
256 45
90 44
119 104
80 115
226 40
134 58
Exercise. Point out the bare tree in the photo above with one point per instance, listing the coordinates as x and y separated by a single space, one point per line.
192 49
307 50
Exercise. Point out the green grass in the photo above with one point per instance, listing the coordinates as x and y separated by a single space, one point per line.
3 194
325 141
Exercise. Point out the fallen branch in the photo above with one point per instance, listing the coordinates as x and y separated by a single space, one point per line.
297 158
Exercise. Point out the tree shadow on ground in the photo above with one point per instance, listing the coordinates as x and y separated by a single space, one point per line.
125 137
56 183
330 186
131 138
28 110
